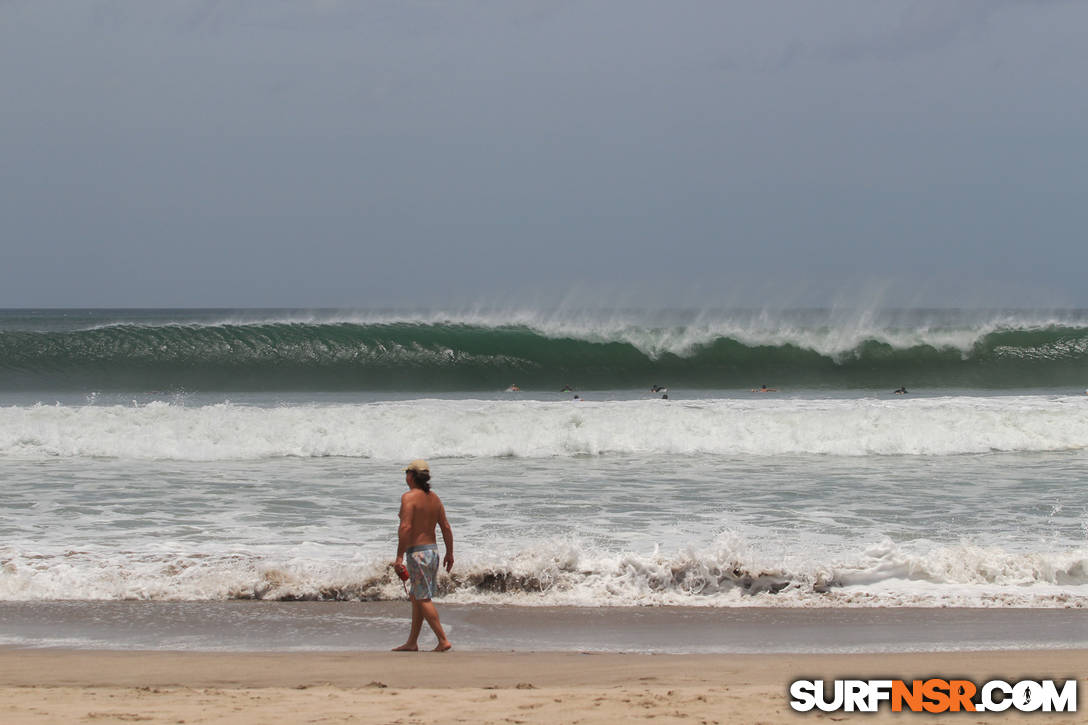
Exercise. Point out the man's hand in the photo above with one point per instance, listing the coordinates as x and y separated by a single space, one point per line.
398 562
447 561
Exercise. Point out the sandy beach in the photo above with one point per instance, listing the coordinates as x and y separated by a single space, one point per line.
56 686
254 662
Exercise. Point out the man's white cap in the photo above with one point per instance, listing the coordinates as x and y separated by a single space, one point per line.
418 465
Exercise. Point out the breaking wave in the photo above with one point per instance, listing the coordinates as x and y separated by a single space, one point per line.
452 353
727 573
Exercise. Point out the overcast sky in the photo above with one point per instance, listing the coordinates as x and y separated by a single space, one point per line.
388 153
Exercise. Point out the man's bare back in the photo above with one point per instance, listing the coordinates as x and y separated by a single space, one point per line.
422 512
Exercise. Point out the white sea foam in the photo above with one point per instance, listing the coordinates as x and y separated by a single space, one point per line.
726 572
468 428
186 576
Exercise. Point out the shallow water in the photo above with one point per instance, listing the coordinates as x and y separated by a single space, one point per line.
363 626
591 530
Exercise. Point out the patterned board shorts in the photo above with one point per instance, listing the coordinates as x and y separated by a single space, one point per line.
422 563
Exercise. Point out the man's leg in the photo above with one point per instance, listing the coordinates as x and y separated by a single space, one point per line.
417 624
431 615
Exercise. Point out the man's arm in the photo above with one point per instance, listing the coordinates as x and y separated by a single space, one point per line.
447 537
404 531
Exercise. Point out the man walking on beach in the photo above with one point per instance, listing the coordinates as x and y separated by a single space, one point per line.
420 511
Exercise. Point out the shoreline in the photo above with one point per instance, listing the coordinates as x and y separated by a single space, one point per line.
263 626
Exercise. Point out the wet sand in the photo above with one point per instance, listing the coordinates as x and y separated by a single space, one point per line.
378 626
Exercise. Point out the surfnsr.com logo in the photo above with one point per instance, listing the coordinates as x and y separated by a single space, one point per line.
934 695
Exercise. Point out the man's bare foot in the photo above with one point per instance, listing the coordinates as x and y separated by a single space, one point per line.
443 646
406 648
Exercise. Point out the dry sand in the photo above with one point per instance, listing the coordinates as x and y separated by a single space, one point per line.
55 686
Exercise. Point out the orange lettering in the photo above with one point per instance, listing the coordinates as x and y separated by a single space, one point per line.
961 692
936 691
911 695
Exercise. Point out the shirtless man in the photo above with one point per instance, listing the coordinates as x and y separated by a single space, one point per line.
420 511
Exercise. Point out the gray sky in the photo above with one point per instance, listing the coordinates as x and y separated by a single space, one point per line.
384 153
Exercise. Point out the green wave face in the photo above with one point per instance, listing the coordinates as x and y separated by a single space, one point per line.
421 356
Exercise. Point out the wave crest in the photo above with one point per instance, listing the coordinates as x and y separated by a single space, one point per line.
481 353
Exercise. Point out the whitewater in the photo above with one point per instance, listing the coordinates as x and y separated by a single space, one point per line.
218 455
392 431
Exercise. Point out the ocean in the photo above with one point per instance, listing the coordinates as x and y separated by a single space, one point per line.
221 455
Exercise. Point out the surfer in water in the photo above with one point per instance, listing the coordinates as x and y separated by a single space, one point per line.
901 391
513 388
764 389
420 511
